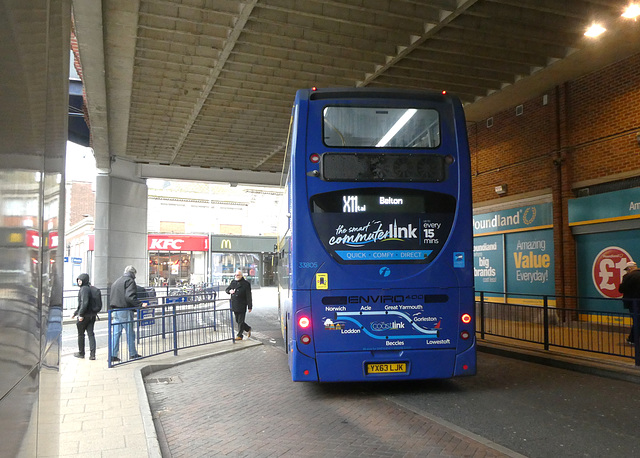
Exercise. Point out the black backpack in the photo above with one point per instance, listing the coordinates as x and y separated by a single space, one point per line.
95 299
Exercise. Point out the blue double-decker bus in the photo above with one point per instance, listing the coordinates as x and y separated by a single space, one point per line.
375 265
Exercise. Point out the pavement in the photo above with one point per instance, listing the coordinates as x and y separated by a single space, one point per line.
105 412
239 385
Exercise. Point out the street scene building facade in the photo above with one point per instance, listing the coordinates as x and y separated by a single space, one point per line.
198 233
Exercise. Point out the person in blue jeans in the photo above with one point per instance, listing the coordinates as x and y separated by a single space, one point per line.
123 301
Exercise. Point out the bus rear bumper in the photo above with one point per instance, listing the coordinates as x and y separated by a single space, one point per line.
420 365
466 362
303 368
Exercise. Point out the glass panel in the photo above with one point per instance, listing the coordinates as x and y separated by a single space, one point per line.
224 266
383 225
381 127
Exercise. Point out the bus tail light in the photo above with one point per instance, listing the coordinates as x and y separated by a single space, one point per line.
304 322
466 318
464 335
305 339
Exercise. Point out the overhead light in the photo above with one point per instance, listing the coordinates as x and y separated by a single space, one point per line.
632 11
594 31
396 127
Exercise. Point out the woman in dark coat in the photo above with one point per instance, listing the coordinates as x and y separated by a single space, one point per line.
240 290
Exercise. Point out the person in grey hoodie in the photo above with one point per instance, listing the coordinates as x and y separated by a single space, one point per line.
123 300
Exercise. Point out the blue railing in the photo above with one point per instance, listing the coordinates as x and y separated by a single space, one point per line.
557 321
169 324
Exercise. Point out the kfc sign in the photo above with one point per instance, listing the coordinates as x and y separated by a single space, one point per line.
33 238
53 239
178 243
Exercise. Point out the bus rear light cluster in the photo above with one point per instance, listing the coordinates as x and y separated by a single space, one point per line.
464 335
305 339
466 318
304 322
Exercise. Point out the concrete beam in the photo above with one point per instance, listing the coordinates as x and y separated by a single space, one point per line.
246 177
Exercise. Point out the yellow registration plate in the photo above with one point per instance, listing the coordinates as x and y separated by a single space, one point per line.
386 368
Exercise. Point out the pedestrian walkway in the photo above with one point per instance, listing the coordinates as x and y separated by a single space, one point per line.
105 413
592 363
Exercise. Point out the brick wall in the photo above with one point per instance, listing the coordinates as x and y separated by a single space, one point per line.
605 117
586 131
515 150
78 67
81 201
602 120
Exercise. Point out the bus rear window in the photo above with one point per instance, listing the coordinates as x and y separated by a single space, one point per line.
371 127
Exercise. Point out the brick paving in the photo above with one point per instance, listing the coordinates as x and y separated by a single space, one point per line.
244 404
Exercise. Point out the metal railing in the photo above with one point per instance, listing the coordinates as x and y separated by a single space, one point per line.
170 324
561 325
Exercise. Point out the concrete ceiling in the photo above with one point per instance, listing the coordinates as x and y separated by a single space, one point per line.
202 89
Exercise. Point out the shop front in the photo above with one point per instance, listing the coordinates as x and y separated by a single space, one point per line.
252 255
513 251
607 229
176 260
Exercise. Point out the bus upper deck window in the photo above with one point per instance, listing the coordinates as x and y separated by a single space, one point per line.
377 127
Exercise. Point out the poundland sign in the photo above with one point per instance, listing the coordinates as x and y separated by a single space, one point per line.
605 208
532 217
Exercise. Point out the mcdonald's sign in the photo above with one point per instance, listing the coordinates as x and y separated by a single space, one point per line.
225 244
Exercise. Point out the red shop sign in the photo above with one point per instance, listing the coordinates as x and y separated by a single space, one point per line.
178 243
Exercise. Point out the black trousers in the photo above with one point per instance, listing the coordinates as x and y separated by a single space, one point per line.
634 309
242 326
86 325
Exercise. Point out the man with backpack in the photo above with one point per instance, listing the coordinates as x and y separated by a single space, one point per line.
89 304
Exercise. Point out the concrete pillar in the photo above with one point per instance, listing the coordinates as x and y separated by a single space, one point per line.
121 224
